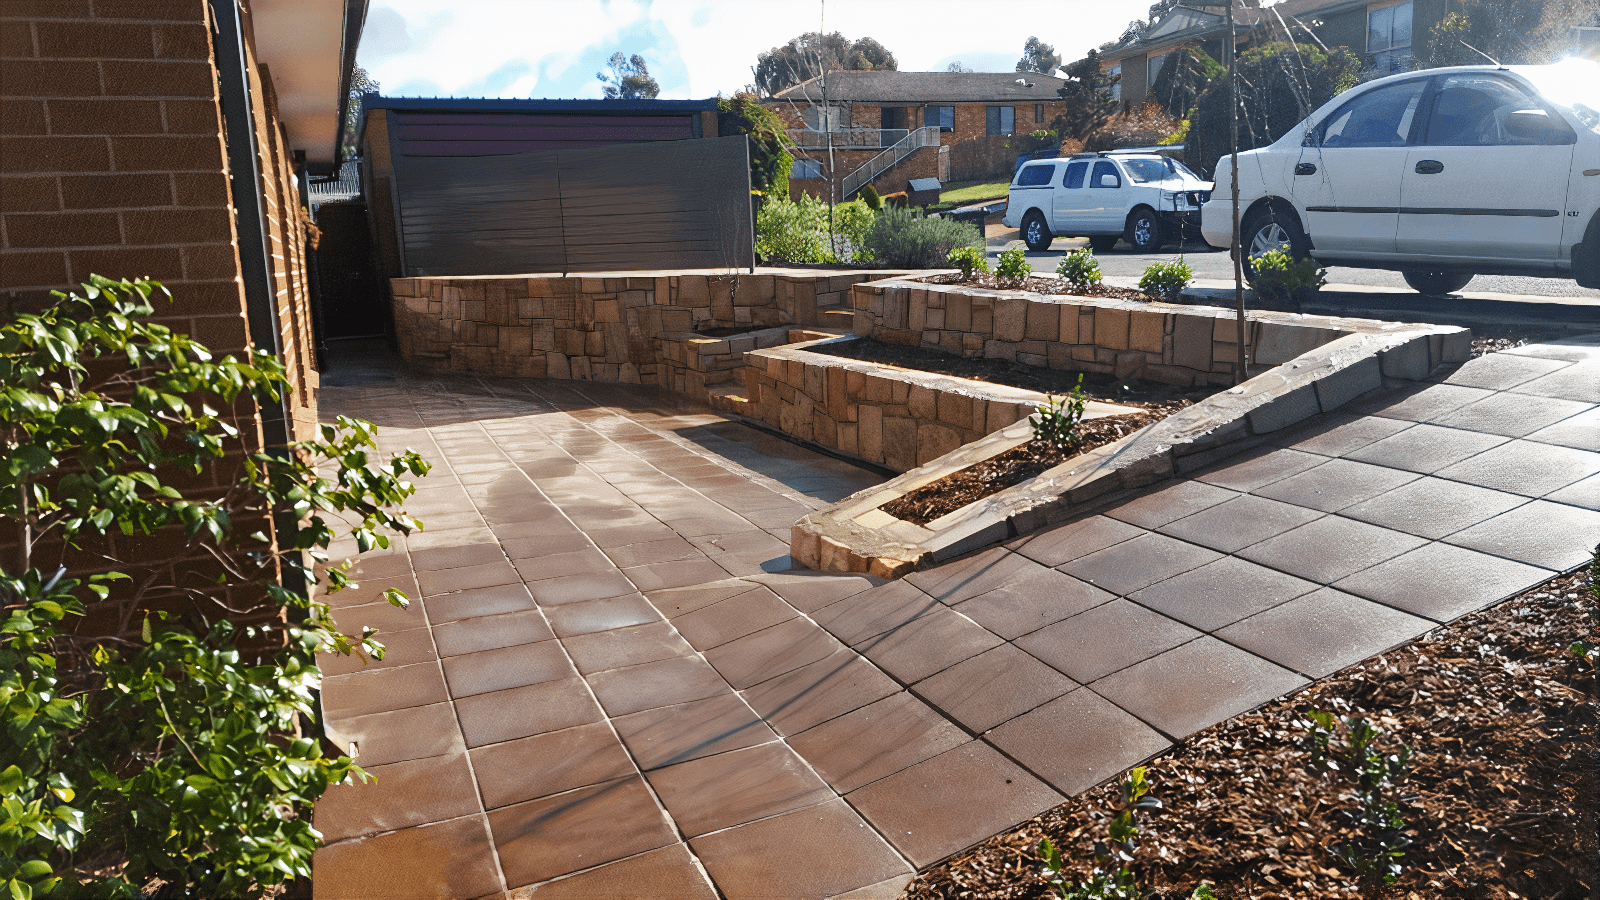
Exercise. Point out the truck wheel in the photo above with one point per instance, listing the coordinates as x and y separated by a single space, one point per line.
1035 233
1102 243
1144 231
1436 284
1269 229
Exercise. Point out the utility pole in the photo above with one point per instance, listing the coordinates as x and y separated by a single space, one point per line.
1242 371
825 119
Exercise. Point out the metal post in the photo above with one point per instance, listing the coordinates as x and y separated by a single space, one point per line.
1242 365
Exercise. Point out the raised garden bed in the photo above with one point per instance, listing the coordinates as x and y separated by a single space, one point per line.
1036 284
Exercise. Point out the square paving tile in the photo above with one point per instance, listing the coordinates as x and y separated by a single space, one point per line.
445 859
382 615
509 667
674 734
467 578
927 644
1433 507
1260 468
369 593
993 687
818 851
578 562
1426 448
1423 404
590 616
544 764
607 536
657 576
970 576
810 591
1105 639
524 711
876 740
1581 431
1032 602
660 683
482 602
1442 582
529 547
1515 415
1068 542
1240 522
1340 433
435 559
927 810
1077 741
664 872
1580 382
871 613
1338 483
625 647
491 632
772 651
1585 493
552 836
1139 563
1499 371
1525 467
578 588
1324 631
735 617
1549 535
396 736
381 690
402 648
404 795
1221 593
1330 548
716 792
650 552
1196 685
1574 349
815 693
674 602
1175 502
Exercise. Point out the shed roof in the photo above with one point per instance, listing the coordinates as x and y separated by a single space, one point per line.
927 87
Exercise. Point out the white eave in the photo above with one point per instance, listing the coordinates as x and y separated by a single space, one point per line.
309 46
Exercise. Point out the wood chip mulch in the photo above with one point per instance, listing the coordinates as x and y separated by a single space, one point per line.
1502 802
1037 285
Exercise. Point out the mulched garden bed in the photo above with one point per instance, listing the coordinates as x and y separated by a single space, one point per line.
1502 801
1037 285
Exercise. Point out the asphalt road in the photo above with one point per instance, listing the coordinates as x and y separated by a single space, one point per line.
1369 293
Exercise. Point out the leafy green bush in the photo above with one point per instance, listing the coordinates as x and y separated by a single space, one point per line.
1165 281
902 239
794 231
869 195
1012 267
1279 276
168 750
851 222
1373 841
770 159
968 260
1055 422
1079 268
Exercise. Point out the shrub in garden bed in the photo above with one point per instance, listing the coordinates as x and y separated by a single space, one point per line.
902 239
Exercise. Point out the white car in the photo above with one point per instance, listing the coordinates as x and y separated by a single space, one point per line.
1142 198
1441 175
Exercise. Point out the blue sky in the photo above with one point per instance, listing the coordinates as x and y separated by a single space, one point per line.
696 48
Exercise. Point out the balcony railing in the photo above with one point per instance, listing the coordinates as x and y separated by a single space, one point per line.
847 138
927 136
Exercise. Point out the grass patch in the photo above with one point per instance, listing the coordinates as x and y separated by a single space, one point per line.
961 193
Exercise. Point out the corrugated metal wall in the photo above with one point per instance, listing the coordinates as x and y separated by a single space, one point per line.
657 205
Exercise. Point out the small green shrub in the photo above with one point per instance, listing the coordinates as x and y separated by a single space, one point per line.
1113 878
1280 276
1056 421
1079 268
1373 839
869 195
851 221
1012 267
902 239
968 260
1165 281
792 230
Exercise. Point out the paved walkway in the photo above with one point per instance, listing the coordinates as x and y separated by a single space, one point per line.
612 686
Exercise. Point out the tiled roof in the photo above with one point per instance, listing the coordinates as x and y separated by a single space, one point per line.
927 87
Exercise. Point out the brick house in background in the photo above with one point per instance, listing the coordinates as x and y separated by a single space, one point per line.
174 139
890 127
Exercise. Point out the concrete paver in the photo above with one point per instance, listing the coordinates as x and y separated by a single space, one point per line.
610 682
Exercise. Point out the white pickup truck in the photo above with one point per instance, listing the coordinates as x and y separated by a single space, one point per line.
1142 198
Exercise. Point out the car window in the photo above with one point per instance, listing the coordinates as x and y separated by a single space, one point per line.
1035 175
1104 167
1480 110
1377 118
1141 171
1074 176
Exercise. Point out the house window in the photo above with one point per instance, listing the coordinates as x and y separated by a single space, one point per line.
1038 114
1000 119
806 168
1155 64
1389 36
1116 85
822 118
942 116
892 117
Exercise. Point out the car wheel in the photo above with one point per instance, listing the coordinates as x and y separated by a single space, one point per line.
1269 229
1102 243
1144 232
1035 233
1436 284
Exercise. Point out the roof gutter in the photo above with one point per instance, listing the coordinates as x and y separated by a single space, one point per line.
355 19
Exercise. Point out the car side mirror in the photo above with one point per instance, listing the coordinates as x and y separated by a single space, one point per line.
1110 181
1535 126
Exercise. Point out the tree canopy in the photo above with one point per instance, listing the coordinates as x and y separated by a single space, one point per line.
813 53
1279 85
1512 32
1088 96
360 83
629 79
769 143
1037 56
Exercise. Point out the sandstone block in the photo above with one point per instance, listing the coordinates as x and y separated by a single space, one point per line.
935 440
1111 328
1044 322
1010 318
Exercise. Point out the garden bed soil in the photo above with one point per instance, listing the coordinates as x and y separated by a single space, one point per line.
1038 285
1501 803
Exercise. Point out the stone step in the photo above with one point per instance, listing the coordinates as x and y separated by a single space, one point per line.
728 397
836 318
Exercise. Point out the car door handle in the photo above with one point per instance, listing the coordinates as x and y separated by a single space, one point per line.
1429 167
1305 169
